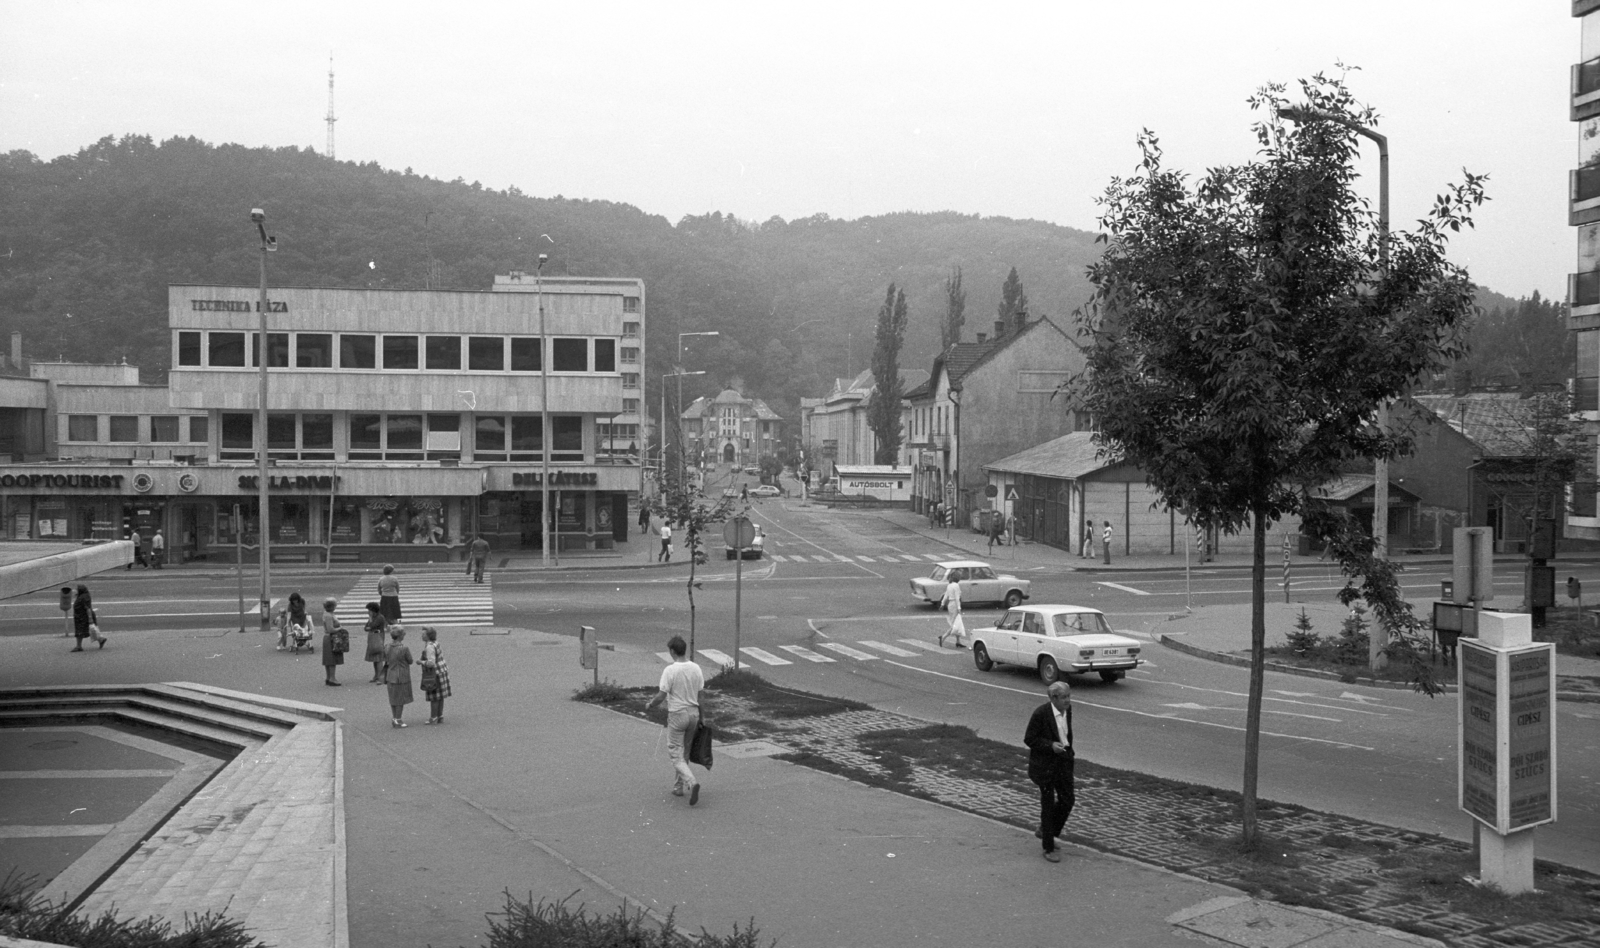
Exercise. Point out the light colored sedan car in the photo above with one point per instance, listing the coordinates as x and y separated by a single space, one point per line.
764 490
1056 640
979 583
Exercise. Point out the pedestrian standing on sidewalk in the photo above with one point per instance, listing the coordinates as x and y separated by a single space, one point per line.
435 675
389 595
665 556
332 633
1088 539
377 629
996 525
644 519
158 549
681 684
951 601
477 556
1050 764
1106 537
397 673
85 624
138 550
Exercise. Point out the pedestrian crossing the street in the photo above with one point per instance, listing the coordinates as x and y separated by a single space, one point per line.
841 558
442 599
900 648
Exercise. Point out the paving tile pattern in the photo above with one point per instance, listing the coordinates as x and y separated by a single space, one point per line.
1163 829
258 842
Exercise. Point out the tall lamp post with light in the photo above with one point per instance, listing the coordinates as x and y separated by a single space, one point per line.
264 518
680 374
544 417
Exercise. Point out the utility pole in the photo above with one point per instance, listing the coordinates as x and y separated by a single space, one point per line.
264 519
330 118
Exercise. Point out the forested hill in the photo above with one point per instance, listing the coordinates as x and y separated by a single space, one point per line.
89 242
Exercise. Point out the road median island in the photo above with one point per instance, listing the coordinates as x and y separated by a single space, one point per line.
1407 880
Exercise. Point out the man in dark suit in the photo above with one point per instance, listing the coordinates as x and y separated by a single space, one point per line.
1050 757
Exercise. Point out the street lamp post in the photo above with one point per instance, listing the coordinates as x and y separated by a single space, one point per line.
544 418
680 373
264 518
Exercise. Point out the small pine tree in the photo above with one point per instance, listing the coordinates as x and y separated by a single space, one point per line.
1301 638
1353 643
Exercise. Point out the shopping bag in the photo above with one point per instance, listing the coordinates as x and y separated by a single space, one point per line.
700 747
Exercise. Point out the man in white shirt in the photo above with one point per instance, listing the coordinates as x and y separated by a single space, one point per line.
681 683
158 549
666 543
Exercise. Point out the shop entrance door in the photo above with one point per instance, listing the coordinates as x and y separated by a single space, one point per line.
529 510
192 536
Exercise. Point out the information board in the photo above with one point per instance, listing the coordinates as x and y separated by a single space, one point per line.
1530 745
1479 700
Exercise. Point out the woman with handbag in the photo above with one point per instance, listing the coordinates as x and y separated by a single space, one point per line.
335 642
435 675
377 630
397 664
85 624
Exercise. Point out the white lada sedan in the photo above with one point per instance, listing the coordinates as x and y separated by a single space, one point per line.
1056 640
979 583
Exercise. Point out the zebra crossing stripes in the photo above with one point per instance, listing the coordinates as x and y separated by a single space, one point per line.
929 646
885 647
805 653
425 599
843 558
720 657
848 652
764 656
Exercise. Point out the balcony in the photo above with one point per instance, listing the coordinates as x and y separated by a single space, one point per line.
1582 7
1586 89
1583 195
1583 295
939 441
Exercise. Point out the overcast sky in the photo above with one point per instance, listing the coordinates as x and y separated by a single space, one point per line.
792 109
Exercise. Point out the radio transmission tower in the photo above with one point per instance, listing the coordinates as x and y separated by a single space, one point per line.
331 119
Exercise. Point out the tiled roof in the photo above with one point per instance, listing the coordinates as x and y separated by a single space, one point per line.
1346 486
1495 421
1069 456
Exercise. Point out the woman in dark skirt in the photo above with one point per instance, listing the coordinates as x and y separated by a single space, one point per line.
389 595
397 673
377 633
83 617
330 624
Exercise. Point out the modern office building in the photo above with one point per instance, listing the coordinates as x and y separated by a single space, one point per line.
1583 286
400 423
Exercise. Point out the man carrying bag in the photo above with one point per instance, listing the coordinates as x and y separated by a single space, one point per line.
681 684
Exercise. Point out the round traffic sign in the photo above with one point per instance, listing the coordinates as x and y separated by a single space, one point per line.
739 533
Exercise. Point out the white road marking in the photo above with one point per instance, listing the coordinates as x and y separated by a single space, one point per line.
865 559
1191 706
762 655
926 645
1242 694
806 653
1127 589
908 556
894 650
1034 694
776 558
848 652
721 658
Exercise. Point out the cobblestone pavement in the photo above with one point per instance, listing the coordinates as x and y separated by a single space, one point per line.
1338 864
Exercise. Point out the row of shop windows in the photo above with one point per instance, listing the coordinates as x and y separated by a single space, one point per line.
404 437
125 428
323 350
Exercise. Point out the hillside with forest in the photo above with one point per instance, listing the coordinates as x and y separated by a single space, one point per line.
90 241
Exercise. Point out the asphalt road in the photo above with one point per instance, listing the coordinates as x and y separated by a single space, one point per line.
1382 755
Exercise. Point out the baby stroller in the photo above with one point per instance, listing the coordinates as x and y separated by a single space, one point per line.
297 637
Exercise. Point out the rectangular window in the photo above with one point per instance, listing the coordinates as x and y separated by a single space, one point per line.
124 428
277 350
1586 373
630 330
316 432
444 353
313 350
238 430
280 432
569 355
188 348
524 355
486 354
164 428
366 432
630 380
630 355
605 355
227 349
566 441
400 352
199 428
404 432
358 352
630 406
490 434
630 304
525 430
444 433
83 427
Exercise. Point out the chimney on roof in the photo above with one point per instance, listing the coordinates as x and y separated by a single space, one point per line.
983 337
999 328
16 349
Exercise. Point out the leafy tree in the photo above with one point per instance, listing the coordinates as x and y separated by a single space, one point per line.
1013 310
682 503
955 309
1525 346
883 411
1243 332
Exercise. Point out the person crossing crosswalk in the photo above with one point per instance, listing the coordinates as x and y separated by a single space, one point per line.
425 599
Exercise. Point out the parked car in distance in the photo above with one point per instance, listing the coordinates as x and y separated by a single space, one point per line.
753 551
764 490
1056 640
979 583
752 469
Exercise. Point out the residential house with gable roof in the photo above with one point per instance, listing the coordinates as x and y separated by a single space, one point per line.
837 429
